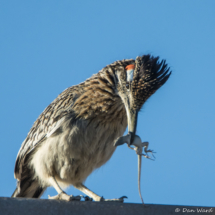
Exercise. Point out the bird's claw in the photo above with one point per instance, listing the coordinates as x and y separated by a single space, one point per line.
121 199
87 198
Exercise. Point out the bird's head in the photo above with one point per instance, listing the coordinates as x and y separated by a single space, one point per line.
136 82
122 85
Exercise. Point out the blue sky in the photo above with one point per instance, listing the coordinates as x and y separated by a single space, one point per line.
47 46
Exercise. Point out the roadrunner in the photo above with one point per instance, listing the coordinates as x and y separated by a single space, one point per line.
75 134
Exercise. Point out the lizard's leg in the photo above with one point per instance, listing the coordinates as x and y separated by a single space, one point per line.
123 139
61 194
146 150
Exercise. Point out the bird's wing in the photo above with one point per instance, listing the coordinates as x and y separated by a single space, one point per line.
52 117
46 124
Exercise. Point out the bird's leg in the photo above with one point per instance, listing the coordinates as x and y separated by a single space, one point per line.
61 194
94 196
88 192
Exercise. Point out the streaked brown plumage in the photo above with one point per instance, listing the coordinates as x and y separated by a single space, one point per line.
75 134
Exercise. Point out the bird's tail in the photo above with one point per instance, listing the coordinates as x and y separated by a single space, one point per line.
15 193
28 189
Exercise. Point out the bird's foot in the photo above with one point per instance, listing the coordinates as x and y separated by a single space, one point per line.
120 200
66 197
87 198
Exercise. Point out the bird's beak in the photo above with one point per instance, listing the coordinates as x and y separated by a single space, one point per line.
132 122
